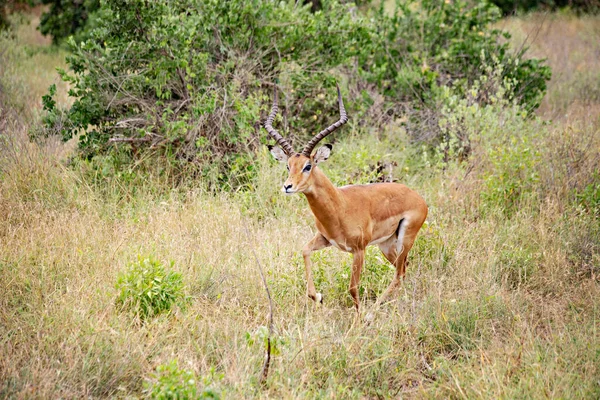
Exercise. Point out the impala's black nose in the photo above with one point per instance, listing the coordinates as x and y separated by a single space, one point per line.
287 187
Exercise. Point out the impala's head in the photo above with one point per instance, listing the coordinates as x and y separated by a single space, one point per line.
301 165
300 168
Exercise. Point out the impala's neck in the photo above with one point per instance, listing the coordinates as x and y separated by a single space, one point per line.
323 198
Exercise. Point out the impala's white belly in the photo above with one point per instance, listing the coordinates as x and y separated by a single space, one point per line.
381 240
347 248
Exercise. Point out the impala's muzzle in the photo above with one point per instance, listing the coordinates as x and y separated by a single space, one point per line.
287 189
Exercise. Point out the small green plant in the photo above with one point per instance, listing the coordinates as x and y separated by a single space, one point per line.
171 382
260 335
148 289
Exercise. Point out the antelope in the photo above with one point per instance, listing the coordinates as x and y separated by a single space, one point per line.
351 217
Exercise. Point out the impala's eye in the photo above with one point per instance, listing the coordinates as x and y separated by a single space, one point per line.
288 167
307 168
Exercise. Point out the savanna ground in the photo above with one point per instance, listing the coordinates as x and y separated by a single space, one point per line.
501 297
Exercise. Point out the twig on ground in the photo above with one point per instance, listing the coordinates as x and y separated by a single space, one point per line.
265 369
128 140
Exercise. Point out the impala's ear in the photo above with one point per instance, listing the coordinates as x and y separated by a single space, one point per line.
323 153
278 153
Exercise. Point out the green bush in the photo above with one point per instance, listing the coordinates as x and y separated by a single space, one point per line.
191 80
505 141
171 382
428 46
148 289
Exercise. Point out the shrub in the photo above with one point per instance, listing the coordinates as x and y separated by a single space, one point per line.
191 80
148 289
261 337
431 45
171 382
504 140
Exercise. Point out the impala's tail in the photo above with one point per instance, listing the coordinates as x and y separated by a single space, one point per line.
400 232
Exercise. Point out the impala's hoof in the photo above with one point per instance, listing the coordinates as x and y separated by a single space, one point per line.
319 298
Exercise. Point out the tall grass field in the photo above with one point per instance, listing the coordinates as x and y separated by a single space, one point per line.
127 286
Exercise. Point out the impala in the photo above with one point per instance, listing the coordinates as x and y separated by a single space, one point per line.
352 217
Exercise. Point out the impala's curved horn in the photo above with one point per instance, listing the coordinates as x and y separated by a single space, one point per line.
343 119
285 146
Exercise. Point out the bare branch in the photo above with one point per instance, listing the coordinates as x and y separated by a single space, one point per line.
265 370
129 140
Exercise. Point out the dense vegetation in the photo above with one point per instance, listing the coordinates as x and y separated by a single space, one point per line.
119 281
191 80
75 17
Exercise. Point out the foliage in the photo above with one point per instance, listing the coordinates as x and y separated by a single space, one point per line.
425 47
498 129
172 383
191 80
69 17
148 289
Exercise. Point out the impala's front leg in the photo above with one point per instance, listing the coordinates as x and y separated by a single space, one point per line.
357 265
317 243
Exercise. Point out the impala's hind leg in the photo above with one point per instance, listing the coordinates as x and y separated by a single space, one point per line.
396 251
317 243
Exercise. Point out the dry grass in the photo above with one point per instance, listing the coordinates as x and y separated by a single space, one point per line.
495 304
